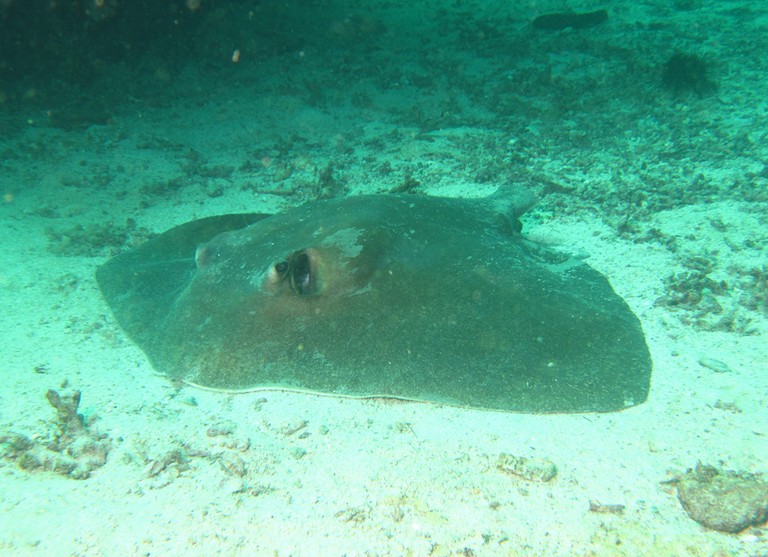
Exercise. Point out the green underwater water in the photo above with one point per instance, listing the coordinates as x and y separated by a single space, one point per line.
638 126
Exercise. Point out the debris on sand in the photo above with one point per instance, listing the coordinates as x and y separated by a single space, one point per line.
71 449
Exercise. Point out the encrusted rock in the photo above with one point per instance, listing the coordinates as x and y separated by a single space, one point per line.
723 500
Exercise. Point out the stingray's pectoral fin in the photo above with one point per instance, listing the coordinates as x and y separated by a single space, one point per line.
141 285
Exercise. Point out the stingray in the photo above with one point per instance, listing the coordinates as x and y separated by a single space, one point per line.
399 296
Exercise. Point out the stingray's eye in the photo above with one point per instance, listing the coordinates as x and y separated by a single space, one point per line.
302 273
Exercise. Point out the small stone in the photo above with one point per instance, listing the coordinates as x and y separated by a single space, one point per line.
601 508
221 429
233 465
298 453
530 469
715 365
295 426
